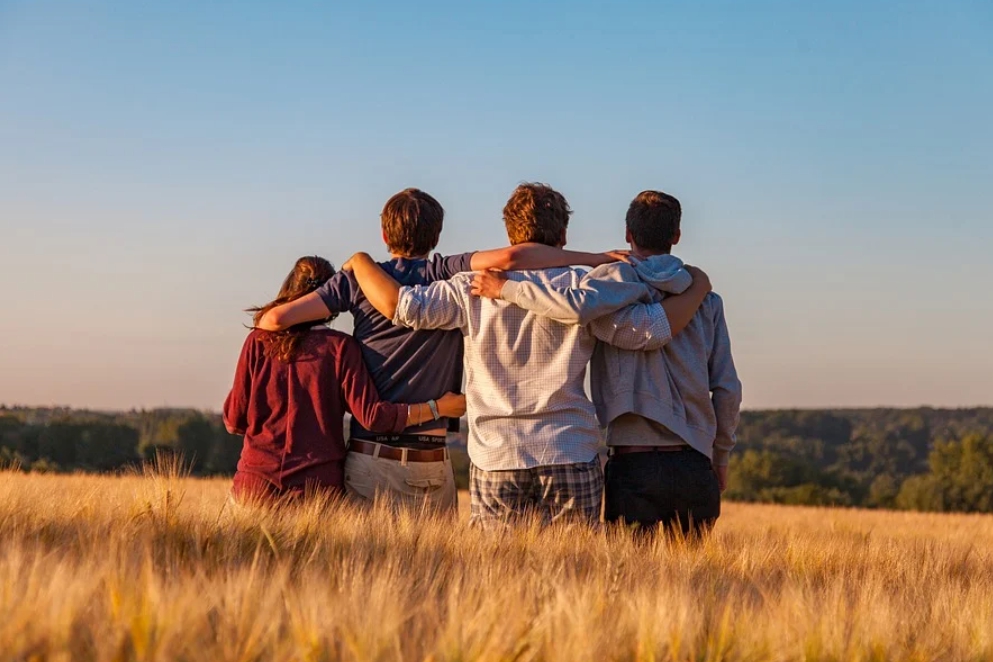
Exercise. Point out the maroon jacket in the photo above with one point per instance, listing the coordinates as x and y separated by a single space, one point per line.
291 413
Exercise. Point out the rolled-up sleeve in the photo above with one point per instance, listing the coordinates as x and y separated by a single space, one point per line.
440 305
640 328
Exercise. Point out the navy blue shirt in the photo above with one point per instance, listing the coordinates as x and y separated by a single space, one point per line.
406 365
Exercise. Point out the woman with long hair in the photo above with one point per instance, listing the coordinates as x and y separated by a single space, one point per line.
291 391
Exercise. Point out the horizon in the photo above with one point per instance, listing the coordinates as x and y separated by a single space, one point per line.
12 407
164 167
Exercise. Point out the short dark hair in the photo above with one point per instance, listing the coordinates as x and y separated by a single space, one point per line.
653 220
536 212
412 222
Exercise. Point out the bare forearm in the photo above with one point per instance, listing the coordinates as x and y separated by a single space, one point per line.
270 321
379 288
450 405
308 308
681 308
540 256
536 256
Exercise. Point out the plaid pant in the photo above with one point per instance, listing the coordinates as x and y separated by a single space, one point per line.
557 492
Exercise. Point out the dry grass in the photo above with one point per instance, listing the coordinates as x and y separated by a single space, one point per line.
162 568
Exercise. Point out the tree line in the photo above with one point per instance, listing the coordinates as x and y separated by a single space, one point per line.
915 459
61 439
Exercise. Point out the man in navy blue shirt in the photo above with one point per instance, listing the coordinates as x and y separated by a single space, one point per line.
408 365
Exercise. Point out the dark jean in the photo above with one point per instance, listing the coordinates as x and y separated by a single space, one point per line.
676 489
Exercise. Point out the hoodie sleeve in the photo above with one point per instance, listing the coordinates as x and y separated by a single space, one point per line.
603 291
725 387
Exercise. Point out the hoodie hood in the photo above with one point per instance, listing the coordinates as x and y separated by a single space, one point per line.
664 272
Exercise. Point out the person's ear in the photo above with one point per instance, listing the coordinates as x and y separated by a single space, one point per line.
675 239
628 239
385 240
562 240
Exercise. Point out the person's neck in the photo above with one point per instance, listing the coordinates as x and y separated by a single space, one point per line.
398 256
644 253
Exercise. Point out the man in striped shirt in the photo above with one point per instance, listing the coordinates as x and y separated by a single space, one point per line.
533 432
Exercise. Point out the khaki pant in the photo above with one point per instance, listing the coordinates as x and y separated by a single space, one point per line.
414 484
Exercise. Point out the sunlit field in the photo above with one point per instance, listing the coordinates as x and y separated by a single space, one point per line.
161 567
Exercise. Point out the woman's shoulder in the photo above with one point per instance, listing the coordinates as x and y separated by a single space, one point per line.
255 335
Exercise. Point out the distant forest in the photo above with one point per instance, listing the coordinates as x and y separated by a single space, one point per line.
915 459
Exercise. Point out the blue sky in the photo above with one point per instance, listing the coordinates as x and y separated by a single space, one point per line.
162 165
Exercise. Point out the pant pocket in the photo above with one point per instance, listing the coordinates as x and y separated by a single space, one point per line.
426 484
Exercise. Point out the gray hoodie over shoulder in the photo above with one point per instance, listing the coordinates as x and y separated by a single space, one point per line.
689 385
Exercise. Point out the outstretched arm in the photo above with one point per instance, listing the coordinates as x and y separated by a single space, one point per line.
597 298
643 328
308 308
334 296
377 415
540 256
436 306
440 305
379 287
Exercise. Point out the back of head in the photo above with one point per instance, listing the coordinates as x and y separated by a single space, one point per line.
308 274
536 213
653 221
412 222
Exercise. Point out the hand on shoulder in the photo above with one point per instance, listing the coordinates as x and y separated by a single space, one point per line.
488 284
350 262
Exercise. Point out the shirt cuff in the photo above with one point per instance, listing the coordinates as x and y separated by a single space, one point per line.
405 300
510 291
721 458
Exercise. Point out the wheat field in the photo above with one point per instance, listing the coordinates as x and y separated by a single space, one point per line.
161 567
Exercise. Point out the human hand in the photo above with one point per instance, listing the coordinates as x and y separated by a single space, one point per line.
619 255
701 280
451 405
722 477
350 263
488 283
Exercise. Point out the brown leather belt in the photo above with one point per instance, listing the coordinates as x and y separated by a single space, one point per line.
393 453
624 450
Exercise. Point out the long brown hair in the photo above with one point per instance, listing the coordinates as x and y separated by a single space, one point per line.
308 274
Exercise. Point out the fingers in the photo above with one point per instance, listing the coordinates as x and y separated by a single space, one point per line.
487 284
620 255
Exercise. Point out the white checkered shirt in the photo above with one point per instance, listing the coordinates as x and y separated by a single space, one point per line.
525 374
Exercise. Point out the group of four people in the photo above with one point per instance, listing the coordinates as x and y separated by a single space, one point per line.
519 325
